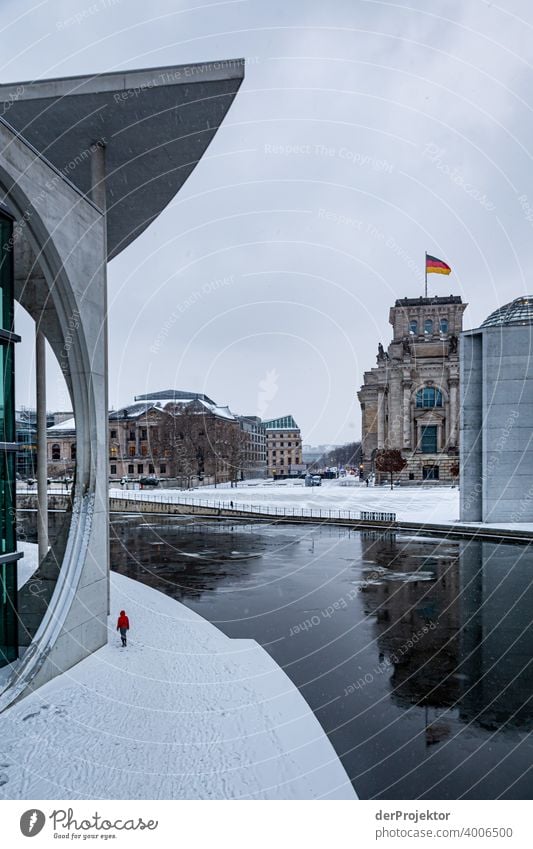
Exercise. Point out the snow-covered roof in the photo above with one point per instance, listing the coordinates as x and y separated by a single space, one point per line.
62 427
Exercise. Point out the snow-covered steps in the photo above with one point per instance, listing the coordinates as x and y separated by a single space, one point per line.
182 712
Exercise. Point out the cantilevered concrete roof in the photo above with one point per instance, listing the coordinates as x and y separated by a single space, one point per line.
154 125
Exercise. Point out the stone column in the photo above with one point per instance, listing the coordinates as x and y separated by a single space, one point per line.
406 412
453 384
381 418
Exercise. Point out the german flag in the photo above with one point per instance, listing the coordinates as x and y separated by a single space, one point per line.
436 266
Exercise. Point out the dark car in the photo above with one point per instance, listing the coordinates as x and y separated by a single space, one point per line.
149 481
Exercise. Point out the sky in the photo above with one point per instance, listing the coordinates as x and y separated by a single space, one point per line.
365 134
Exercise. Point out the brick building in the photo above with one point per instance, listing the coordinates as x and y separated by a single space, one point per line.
284 447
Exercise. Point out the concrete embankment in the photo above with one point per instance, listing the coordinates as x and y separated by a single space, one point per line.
455 530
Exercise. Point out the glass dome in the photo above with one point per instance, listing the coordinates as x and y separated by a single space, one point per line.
519 311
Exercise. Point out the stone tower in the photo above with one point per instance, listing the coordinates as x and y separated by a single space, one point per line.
410 400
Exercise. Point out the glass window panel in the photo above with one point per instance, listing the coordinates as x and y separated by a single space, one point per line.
444 325
428 326
413 326
429 439
7 503
8 613
7 414
6 274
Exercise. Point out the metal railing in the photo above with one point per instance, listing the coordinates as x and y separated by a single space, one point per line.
255 509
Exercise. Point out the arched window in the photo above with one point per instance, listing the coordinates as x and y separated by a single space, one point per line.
444 326
429 397
428 326
413 327
73 451
56 452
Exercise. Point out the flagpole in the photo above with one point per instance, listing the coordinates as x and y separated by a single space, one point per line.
426 270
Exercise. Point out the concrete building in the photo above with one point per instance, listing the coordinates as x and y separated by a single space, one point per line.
410 400
496 416
284 447
86 164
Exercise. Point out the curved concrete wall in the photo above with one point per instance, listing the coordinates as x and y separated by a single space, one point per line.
60 280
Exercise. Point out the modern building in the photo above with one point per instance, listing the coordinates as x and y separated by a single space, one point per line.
86 165
254 460
284 447
497 416
410 399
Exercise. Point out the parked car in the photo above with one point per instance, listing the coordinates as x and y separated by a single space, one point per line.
149 481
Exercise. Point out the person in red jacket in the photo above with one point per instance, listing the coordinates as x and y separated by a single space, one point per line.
123 625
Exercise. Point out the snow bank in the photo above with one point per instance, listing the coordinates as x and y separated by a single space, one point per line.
183 712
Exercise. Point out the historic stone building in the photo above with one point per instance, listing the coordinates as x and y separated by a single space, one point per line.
410 400
284 447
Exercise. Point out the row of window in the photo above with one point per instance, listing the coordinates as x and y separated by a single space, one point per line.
56 451
428 326
140 469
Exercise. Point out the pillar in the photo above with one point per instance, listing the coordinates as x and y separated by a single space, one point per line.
381 418
406 412
42 454
453 413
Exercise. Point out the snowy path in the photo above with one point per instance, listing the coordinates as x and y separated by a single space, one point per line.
183 712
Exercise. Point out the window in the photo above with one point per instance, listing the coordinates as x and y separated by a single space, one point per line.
429 397
113 451
151 469
73 451
428 327
444 326
143 433
131 435
430 473
112 434
144 450
429 440
131 469
140 468
413 327
113 469
163 469
131 450
56 452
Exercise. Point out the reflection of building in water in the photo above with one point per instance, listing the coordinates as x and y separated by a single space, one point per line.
497 635
424 659
479 657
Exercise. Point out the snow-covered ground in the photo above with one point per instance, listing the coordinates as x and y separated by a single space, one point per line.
182 713
424 504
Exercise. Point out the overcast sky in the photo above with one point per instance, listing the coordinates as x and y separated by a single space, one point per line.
365 133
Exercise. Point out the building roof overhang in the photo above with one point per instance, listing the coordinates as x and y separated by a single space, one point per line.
153 125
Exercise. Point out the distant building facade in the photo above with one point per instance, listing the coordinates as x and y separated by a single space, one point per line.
410 399
254 460
496 416
136 448
284 447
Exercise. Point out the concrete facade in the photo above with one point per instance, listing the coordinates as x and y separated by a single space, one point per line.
410 399
86 164
496 416
54 267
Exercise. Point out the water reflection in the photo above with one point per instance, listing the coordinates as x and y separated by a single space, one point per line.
415 654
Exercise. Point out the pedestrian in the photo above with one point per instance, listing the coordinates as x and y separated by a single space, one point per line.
123 625
231 504
367 481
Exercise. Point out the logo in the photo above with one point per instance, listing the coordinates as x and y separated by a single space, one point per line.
32 822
